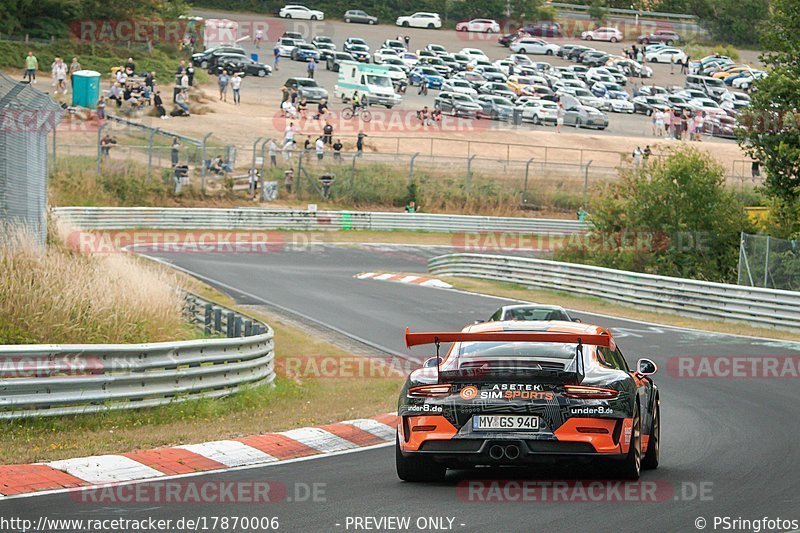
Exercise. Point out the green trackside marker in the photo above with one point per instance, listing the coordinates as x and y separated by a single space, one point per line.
346 221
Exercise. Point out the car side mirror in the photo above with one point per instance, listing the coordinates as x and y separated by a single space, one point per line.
577 320
432 362
646 367
479 321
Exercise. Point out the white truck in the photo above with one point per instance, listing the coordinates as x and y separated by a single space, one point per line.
373 83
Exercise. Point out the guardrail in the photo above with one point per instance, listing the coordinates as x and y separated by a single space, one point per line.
760 307
49 380
125 218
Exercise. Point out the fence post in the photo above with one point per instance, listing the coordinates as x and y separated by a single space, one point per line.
230 320
411 168
766 264
525 191
253 165
203 164
54 147
469 174
217 319
353 172
586 184
263 166
150 153
99 145
237 326
207 318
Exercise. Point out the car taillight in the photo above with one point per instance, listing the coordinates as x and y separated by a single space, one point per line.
589 393
429 391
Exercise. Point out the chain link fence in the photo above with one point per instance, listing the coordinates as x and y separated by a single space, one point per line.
769 262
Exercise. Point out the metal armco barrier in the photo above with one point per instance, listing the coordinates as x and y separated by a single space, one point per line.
48 380
760 307
122 218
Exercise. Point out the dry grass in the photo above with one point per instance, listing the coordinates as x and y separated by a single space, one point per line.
293 402
61 296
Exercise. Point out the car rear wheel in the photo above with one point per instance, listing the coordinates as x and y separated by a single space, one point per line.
417 469
372 22
288 15
669 42
313 17
588 37
631 467
204 64
653 453
262 73
613 39
523 51
548 53
347 20
405 24
430 26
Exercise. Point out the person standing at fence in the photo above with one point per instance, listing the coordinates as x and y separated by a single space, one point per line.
360 142
176 151
311 68
223 85
276 53
73 68
288 148
319 146
288 132
236 83
327 132
158 103
273 152
288 177
31 64
560 113
337 150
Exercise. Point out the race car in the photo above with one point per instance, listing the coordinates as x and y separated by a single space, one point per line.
515 393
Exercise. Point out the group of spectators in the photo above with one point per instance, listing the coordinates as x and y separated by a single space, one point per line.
675 124
59 70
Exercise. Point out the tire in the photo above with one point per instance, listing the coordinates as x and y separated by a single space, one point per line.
405 24
649 112
366 116
669 43
613 39
578 123
522 51
536 121
430 26
631 467
347 113
589 38
204 64
548 53
262 73
313 17
371 22
652 455
347 21
288 15
417 469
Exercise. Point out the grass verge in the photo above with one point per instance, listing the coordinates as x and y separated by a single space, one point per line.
596 305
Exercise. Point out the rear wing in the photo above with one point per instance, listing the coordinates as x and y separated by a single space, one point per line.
436 338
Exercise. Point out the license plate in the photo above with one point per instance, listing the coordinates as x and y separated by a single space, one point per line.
504 422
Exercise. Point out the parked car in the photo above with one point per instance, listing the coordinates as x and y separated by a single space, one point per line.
434 79
437 49
332 62
647 105
304 52
495 107
602 34
459 86
457 104
296 35
286 45
532 45
325 50
207 58
241 64
540 111
582 116
350 41
479 25
307 88
421 19
359 16
721 126
544 28
360 52
394 44
300 12
666 55
660 36
618 103
321 39
384 53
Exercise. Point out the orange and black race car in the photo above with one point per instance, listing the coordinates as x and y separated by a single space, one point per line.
514 393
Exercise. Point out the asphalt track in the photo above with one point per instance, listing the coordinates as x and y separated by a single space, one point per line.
735 439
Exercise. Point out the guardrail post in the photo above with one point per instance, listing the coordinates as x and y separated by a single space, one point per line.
469 174
99 146
150 153
766 264
248 328
411 168
586 184
237 326
525 191
218 320
229 323
207 318
203 163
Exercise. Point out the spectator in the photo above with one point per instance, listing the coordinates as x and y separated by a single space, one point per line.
685 65
216 165
130 67
411 207
294 95
106 143
288 147
101 108
150 80
684 125
180 101
337 150
223 85
699 120
423 86
307 144
289 110
158 103
73 68
60 75
755 169
407 41
637 157
236 84
322 109
422 115
646 154
658 126
273 152
436 116
360 142
288 132
284 97
120 76
288 177
302 108
115 93
252 182
276 53
175 151
180 71
560 113
31 64
190 74
184 83
311 68
319 145
582 214
327 133
258 38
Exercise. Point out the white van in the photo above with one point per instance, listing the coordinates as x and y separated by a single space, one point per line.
373 83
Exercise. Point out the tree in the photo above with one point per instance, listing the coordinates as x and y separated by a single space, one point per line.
598 11
672 217
770 129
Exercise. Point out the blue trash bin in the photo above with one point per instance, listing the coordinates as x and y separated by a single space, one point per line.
254 57
85 88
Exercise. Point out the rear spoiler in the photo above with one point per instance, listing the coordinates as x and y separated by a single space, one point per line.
416 339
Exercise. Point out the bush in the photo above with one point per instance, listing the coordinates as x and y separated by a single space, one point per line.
673 217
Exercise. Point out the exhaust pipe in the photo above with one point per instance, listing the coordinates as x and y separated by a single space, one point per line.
512 452
496 452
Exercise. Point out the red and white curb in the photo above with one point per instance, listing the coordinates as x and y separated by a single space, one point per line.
143 465
404 278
